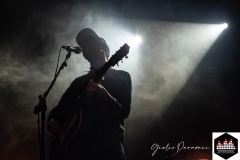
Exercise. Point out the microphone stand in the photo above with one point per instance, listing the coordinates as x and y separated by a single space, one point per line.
42 107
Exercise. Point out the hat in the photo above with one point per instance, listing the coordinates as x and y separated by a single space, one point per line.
88 34
84 34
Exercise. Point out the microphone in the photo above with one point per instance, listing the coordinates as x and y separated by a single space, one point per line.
76 50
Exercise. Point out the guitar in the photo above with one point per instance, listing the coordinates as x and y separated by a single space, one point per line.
72 123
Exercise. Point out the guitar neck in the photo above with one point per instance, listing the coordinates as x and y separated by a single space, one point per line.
122 52
101 73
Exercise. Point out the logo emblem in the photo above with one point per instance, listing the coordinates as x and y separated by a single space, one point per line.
225 145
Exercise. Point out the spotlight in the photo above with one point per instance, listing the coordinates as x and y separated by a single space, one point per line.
224 25
138 39
135 40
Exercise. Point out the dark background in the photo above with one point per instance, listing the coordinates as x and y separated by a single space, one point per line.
208 102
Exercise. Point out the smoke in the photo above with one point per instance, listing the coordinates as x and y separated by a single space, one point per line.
159 67
28 60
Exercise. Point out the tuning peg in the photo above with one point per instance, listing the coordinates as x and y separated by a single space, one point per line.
126 56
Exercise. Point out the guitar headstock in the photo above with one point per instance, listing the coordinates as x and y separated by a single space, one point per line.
122 52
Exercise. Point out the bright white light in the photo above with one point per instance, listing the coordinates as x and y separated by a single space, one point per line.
135 40
224 25
218 28
138 39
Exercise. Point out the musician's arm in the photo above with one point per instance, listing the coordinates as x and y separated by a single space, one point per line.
54 122
67 98
119 107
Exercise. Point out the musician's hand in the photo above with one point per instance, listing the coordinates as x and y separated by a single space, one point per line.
55 128
94 89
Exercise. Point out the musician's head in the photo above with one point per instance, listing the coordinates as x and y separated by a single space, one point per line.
94 48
